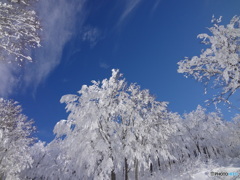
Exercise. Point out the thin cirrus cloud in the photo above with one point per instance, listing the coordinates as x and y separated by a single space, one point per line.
58 20
91 35
130 5
58 27
155 6
8 79
104 65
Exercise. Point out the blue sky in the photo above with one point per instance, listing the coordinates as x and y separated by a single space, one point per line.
83 40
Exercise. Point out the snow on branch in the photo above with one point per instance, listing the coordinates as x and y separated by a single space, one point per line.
19 32
220 61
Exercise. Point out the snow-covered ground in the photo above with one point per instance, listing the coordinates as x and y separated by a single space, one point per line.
211 171
224 173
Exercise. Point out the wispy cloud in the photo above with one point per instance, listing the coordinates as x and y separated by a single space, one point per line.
155 6
58 22
104 65
58 18
8 79
130 5
91 34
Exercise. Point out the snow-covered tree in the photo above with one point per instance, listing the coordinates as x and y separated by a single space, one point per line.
19 31
177 143
47 163
234 137
115 130
219 62
112 126
207 134
15 138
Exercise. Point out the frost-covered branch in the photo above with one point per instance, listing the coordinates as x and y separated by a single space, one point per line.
220 62
19 31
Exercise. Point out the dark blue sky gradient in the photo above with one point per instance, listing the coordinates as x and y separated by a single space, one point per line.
145 46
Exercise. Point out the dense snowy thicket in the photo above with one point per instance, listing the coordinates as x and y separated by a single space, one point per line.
116 130
220 62
19 31
15 138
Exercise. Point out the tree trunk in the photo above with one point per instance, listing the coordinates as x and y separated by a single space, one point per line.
126 169
159 165
198 148
151 168
208 152
136 169
215 153
113 175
